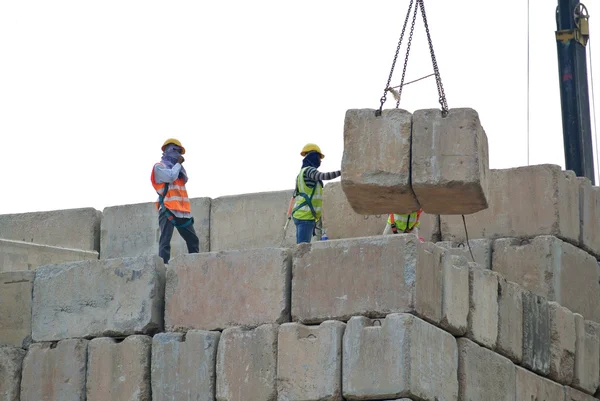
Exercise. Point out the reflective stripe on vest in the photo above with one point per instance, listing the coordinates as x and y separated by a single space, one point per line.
303 201
176 197
401 221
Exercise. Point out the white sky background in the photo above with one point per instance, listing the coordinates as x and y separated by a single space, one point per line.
90 90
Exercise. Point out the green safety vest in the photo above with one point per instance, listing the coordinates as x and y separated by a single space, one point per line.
402 220
308 202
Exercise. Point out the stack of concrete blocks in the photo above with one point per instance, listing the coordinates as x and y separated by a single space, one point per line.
398 162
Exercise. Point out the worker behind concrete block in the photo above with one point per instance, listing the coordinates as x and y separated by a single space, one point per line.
404 224
173 205
309 193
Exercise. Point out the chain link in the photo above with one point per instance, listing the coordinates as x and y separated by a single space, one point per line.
385 90
410 36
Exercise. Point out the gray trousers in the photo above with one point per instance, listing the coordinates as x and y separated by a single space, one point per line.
166 233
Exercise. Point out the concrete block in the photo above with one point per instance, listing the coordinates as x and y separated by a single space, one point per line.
247 364
70 228
562 343
510 321
404 357
376 162
483 374
553 269
450 161
548 207
589 209
119 371
533 387
217 290
132 230
55 372
309 364
455 294
338 279
11 363
483 307
587 355
428 289
253 220
96 298
19 255
574 395
15 307
481 248
184 366
341 221
536 333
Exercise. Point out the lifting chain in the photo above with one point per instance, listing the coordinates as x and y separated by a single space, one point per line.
442 96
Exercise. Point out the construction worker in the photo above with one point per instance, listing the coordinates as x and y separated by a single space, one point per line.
404 224
173 205
308 196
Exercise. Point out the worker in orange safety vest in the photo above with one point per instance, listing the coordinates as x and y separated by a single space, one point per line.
404 224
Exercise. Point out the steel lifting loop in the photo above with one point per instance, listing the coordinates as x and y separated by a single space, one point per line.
376 322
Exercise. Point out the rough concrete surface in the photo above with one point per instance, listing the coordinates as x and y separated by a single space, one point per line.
510 320
55 372
553 269
428 290
404 357
450 161
589 208
11 363
455 294
342 278
574 395
309 364
132 230
586 375
19 255
247 364
483 307
481 248
119 371
254 220
376 162
536 333
96 298
69 228
15 307
533 387
547 199
341 221
183 366
483 374
217 290
562 343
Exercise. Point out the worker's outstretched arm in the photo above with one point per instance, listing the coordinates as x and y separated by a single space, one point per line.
313 174
164 174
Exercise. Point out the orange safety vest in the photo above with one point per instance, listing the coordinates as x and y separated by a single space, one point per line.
176 197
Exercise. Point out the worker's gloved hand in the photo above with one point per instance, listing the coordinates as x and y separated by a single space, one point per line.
183 174
421 239
180 159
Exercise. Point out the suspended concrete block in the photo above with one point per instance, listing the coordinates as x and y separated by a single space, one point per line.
450 162
376 162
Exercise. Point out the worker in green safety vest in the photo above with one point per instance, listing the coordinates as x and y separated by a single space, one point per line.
404 224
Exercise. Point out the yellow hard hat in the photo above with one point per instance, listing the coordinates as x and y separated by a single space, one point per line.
175 142
309 147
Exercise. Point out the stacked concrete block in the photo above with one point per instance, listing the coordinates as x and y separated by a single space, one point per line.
572 394
247 364
55 373
483 307
113 297
11 364
217 290
510 320
376 162
251 221
341 221
71 228
523 202
455 294
309 364
553 269
132 230
429 276
399 356
450 161
342 278
562 343
15 307
184 366
589 208
481 249
536 333
484 375
587 359
19 255
533 387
